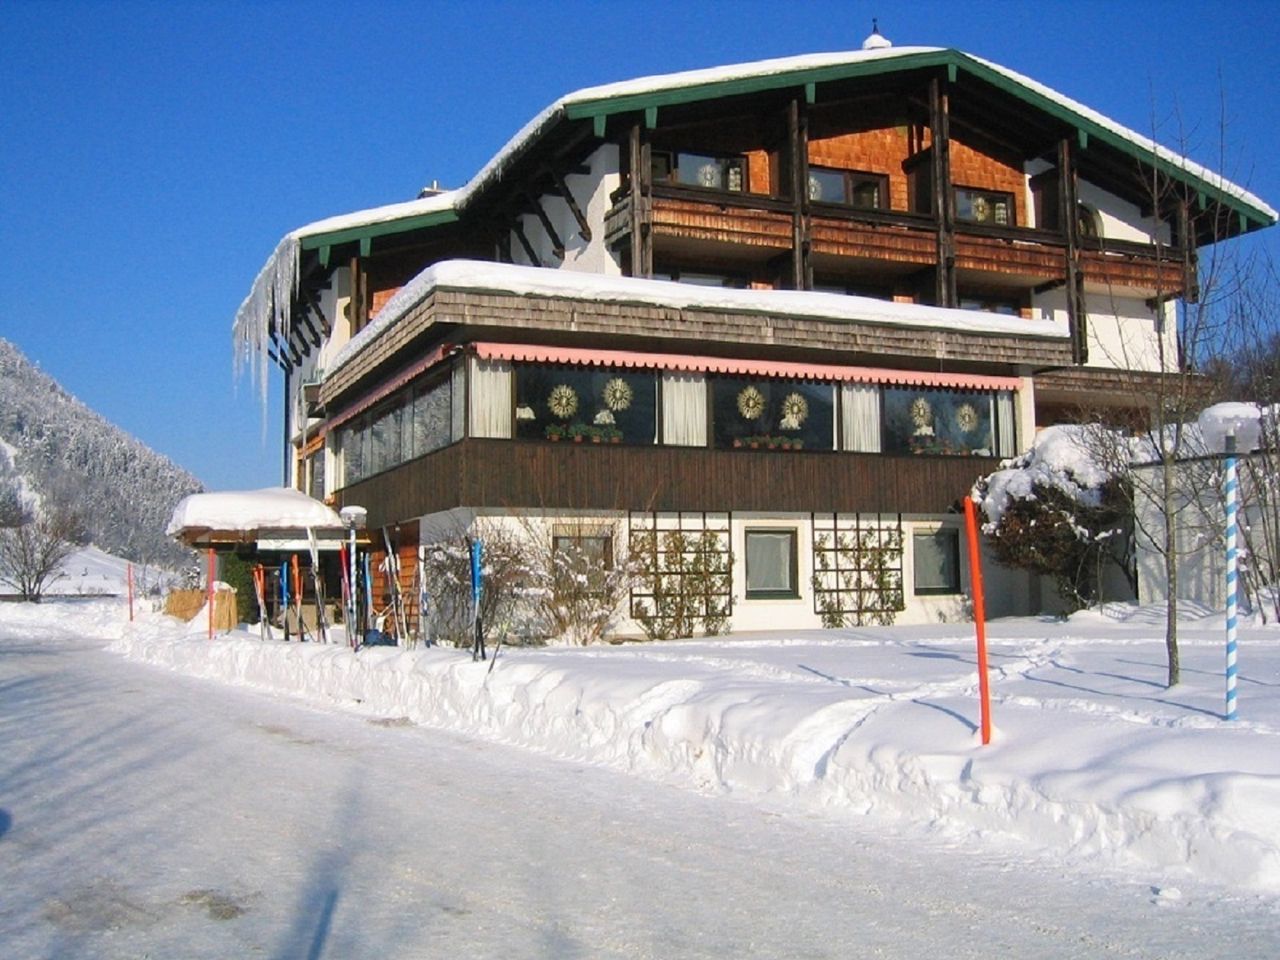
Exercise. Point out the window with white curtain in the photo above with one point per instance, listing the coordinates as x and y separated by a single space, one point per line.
684 409
491 398
771 568
860 417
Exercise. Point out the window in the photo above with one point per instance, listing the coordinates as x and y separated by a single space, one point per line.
864 191
951 422
771 564
700 170
594 551
585 404
772 414
936 561
984 206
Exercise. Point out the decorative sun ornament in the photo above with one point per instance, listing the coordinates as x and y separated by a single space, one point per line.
617 394
967 418
750 403
709 175
922 415
815 188
981 209
563 401
794 410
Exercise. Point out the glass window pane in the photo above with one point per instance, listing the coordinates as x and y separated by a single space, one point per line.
553 402
947 422
827 186
937 561
771 562
698 170
772 414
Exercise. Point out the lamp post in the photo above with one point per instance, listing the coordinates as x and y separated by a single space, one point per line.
1231 427
354 517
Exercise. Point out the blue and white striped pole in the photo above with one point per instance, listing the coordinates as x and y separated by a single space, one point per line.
1232 578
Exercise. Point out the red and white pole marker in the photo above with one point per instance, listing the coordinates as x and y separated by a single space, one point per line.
209 578
979 615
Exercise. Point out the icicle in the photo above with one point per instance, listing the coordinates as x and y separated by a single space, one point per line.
265 310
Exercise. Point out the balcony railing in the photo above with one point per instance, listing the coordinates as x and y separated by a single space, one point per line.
754 221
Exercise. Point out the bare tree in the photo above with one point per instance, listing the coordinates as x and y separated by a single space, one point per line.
1157 460
32 551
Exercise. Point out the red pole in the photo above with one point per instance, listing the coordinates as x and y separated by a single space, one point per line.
210 581
979 615
130 570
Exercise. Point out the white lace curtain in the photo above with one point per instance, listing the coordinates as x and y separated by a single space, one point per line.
684 409
860 417
491 398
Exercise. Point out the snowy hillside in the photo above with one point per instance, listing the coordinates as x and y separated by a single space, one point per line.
54 447
1093 761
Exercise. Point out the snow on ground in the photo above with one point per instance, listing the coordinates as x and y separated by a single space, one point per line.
1094 761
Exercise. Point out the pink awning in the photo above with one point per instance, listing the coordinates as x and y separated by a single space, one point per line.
366 400
748 368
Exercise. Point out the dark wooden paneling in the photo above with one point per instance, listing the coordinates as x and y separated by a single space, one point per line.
520 474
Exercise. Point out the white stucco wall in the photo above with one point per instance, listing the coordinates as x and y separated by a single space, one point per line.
591 192
1123 332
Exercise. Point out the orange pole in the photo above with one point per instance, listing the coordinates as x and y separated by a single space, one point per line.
130 571
979 615
209 578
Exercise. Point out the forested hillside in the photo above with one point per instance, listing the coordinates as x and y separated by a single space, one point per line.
54 449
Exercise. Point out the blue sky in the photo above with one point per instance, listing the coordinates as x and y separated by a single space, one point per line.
154 153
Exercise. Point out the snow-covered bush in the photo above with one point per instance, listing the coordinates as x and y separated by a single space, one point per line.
1055 512
581 576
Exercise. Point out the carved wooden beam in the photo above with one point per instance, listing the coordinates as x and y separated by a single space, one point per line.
518 229
584 228
310 300
557 245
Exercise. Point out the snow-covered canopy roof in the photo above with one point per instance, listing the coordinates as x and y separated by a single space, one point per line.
248 515
267 307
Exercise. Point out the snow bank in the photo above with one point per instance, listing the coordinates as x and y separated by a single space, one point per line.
1093 760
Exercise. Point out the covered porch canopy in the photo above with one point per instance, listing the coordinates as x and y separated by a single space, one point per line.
274 518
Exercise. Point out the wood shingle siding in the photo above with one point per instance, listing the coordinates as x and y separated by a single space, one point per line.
472 315
512 474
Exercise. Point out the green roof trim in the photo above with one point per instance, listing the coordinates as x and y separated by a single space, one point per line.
955 63
365 233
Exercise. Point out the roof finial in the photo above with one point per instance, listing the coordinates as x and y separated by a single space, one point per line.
876 41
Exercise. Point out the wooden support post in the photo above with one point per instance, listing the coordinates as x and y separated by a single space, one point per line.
944 198
640 193
1068 203
801 216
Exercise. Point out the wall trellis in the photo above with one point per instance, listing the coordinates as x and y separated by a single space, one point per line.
857 568
685 567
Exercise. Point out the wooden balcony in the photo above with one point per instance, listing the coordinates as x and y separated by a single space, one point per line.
1024 256
512 474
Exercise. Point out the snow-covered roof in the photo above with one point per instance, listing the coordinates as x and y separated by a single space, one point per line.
246 511
267 306
478 275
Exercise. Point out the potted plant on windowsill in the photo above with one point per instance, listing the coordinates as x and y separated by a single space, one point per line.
578 432
554 432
